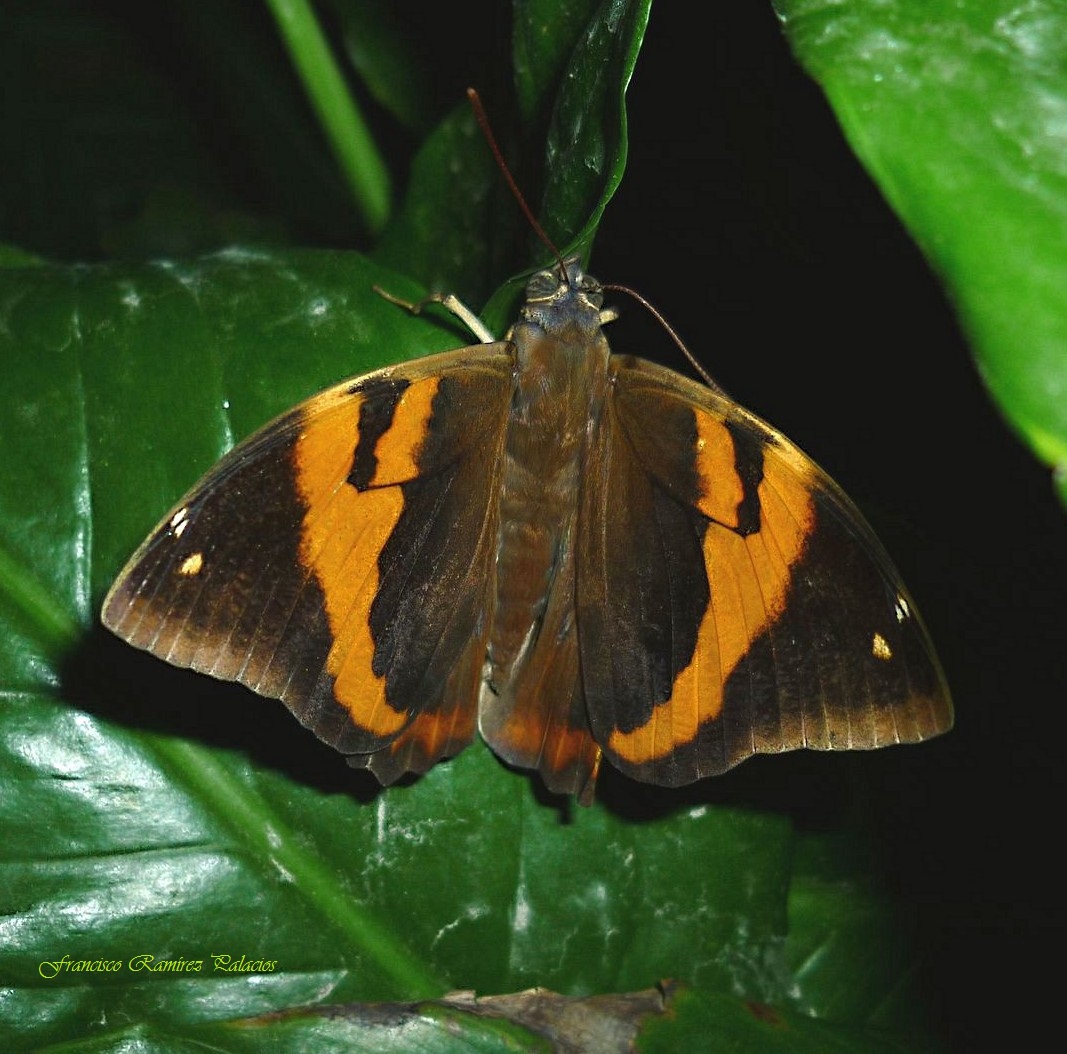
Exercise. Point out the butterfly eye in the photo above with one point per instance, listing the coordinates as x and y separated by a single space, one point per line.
542 286
591 289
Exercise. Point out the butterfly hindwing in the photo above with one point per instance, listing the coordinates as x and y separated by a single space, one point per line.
537 720
341 560
758 613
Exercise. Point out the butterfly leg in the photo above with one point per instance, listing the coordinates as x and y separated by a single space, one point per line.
450 303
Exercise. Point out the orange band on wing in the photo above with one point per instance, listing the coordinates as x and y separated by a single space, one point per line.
721 489
343 533
398 448
748 579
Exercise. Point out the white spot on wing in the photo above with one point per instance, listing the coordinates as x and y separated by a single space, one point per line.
179 521
191 565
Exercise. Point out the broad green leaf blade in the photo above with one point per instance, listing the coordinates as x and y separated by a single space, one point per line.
152 812
128 833
957 110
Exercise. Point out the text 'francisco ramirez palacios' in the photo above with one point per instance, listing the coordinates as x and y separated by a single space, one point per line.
154 964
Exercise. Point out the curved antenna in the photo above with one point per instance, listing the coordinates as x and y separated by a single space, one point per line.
487 131
670 331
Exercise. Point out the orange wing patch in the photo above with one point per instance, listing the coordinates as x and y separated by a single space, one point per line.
345 529
398 448
748 579
721 489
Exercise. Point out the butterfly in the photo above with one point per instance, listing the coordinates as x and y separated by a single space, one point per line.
584 556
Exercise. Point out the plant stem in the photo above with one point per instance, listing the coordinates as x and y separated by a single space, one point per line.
353 146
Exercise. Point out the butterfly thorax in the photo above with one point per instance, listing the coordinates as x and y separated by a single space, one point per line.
561 383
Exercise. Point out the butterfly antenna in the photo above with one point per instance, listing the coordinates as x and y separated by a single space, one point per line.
670 331
487 131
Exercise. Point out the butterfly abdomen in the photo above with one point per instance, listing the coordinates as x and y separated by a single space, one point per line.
557 402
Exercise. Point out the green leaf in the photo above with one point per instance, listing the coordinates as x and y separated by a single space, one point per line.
585 165
545 35
158 843
386 59
443 235
957 111
586 136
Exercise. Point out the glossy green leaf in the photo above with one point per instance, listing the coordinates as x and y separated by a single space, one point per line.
158 843
585 165
957 111
386 60
586 136
544 37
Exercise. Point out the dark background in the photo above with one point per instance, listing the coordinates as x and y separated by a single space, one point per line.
744 217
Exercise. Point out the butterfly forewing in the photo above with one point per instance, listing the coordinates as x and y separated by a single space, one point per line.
340 560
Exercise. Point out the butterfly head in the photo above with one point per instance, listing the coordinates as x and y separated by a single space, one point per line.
563 296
